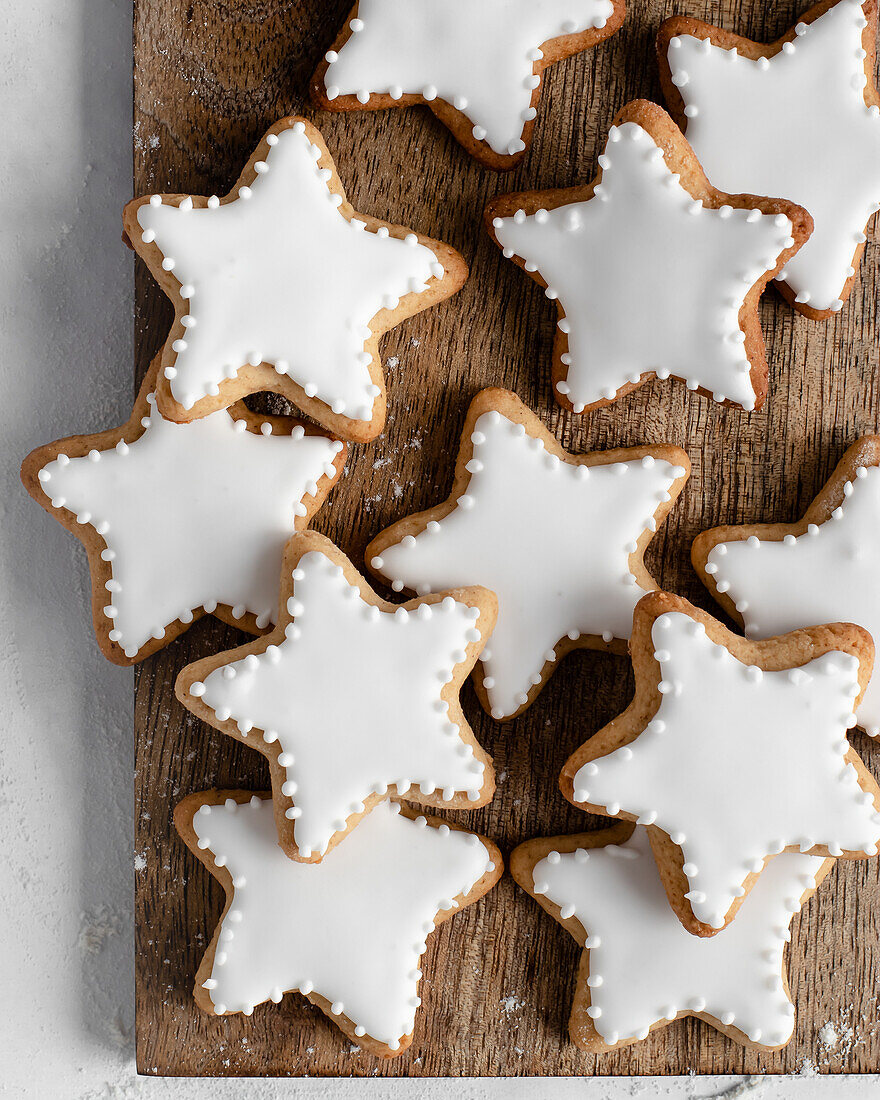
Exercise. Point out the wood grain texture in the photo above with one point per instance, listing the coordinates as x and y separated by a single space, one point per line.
210 77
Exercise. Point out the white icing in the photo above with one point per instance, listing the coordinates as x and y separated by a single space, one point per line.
280 276
644 967
738 764
828 574
650 280
353 696
477 55
184 525
550 539
795 126
352 928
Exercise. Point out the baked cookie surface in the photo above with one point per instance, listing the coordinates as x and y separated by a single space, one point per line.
559 538
777 577
181 520
349 933
654 272
476 64
351 699
798 118
640 969
283 286
731 752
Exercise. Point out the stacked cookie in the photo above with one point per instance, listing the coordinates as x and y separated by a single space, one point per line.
353 700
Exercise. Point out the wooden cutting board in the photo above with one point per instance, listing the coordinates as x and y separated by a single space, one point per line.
209 78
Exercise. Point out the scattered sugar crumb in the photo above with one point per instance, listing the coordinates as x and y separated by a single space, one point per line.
512 1003
838 1039
414 343
380 462
808 1068
502 775
393 362
140 862
141 143
353 1049
396 490
828 1036
310 1050
96 928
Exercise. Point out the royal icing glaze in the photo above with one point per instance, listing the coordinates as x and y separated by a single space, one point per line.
827 574
183 525
644 968
553 540
477 55
351 929
795 124
644 238
738 764
353 696
280 276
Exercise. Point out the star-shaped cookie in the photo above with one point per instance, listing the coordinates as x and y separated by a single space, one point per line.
559 538
476 63
798 118
283 286
640 969
347 934
655 272
733 751
351 699
776 577
171 519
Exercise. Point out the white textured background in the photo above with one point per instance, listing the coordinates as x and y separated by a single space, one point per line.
66 859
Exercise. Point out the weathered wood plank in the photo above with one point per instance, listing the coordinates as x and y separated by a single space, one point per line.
209 79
